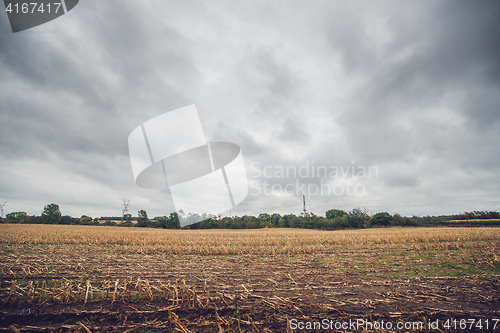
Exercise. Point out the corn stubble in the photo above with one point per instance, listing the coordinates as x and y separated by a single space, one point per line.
234 242
111 279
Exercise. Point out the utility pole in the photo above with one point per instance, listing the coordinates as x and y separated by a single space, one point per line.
304 198
1 208
125 208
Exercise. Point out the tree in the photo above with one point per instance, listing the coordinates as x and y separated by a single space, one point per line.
35 220
358 218
212 224
142 219
307 220
160 222
275 218
333 213
293 220
250 222
399 220
263 220
174 222
66 219
127 223
341 222
17 217
228 223
289 221
238 223
51 214
383 219
167 222
109 223
85 219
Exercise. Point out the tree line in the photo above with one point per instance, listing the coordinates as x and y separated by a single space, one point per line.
475 215
334 219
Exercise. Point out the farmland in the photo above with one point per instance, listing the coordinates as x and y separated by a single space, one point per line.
111 279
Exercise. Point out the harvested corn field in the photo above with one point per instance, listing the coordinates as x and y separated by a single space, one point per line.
110 279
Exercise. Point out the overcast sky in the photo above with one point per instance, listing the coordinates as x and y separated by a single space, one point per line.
411 89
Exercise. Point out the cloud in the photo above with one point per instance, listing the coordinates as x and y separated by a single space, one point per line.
409 88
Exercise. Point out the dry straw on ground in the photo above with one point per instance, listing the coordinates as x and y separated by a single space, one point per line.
224 242
110 279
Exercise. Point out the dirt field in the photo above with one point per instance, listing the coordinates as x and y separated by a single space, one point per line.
111 279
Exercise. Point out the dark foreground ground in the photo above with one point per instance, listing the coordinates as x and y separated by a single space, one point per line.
96 288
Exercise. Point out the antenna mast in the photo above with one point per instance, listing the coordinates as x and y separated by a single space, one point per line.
1 208
125 208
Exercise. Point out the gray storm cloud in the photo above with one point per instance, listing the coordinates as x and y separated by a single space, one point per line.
411 88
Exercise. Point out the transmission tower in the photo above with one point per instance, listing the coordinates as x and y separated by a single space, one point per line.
1 208
125 206
304 199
